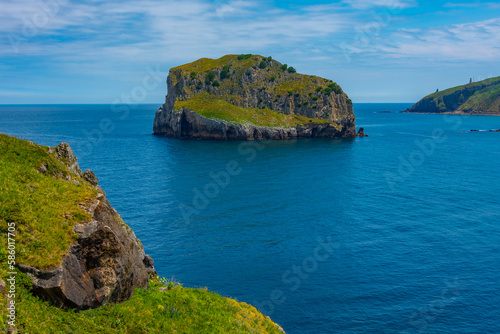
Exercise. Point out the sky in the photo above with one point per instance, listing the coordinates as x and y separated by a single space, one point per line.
93 51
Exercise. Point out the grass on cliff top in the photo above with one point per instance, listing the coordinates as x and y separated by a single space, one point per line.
272 75
487 99
215 107
178 310
44 207
479 84
206 64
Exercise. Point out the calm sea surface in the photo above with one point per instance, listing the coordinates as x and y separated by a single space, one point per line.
395 233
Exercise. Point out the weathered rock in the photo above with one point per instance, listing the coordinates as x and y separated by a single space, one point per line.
104 265
149 263
89 176
361 133
2 285
65 154
188 124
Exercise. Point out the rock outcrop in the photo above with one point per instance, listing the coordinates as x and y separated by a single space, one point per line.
475 98
254 88
104 265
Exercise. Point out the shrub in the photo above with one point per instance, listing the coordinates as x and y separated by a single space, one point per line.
247 56
193 75
297 95
254 67
292 70
262 64
290 92
299 105
319 89
315 98
269 58
284 67
306 103
335 88
272 79
327 91
216 83
199 85
209 77
225 72
278 96
349 101
260 100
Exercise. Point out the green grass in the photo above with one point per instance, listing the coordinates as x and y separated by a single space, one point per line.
178 310
485 99
214 107
45 207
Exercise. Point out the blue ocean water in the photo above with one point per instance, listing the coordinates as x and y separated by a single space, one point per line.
394 233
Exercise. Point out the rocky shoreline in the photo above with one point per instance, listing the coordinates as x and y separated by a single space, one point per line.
188 124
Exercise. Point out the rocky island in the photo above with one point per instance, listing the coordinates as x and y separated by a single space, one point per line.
71 265
475 98
250 97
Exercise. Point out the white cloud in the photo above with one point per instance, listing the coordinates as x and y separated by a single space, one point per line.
478 41
176 29
365 4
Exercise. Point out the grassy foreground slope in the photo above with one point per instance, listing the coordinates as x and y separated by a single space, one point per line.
45 206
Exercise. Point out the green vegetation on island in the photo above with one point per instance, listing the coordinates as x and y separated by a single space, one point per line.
214 107
251 82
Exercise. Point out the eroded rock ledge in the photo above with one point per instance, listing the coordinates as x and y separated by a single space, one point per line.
188 124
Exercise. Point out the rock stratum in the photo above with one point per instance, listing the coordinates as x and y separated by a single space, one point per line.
475 98
250 97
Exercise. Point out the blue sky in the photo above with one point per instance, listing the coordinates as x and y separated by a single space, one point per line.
64 51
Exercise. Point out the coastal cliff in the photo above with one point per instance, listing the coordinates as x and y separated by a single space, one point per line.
71 265
250 97
475 98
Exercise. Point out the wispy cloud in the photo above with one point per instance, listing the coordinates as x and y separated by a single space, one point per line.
365 4
478 41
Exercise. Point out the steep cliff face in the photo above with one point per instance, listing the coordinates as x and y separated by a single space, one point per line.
478 98
100 260
251 97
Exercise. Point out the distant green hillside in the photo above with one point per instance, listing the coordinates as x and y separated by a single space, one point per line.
478 98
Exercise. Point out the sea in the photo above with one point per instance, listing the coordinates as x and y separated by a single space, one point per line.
398 232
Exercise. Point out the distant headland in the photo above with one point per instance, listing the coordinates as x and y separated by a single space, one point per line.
474 98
